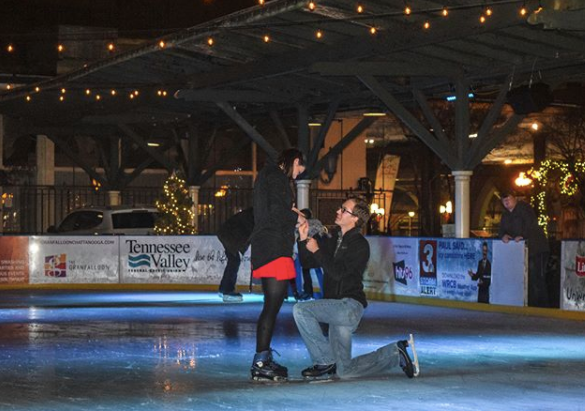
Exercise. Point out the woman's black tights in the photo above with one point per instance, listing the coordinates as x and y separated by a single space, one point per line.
274 293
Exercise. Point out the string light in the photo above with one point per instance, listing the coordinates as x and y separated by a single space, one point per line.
523 10
37 89
162 44
445 12
319 34
136 93
427 25
9 87
10 48
28 98
266 38
60 48
111 47
488 11
312 6
63 91
131 96
210 41
373 30
360 8
98 97
261 2
482 19
113 92
61 98
407 10
87 91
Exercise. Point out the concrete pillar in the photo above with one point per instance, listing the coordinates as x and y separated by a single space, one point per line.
194 194
45 156
45 176
114 198
303 193
462 205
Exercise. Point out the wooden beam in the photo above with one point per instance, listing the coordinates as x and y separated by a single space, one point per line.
461 118
444 151
78 160
234 96
280 128
430 116
248 129
489 121
497 138
324 129
169 165
384 69
337 149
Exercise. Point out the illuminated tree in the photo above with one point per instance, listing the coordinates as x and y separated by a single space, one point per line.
175 209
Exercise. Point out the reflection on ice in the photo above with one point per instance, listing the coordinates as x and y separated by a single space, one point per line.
190 351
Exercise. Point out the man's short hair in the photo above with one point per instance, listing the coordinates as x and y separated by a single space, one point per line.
361 210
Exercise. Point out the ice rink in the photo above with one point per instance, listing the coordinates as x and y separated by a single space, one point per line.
161 351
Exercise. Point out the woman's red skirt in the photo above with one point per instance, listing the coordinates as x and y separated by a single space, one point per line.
282 268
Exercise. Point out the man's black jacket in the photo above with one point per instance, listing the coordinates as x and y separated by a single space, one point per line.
344 270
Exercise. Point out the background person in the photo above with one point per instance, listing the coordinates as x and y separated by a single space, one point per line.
234 235
519 223
272 241
344 258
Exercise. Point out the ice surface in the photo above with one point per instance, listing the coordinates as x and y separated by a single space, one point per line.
190 351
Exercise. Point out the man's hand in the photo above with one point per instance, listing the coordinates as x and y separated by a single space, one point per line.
519 238
312 245
506 238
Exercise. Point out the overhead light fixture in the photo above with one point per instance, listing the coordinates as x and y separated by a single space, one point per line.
153 144
315 124
374 114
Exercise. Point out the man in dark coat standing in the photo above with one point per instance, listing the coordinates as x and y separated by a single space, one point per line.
234 235
518 223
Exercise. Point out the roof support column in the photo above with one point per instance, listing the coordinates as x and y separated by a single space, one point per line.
303 193
462 205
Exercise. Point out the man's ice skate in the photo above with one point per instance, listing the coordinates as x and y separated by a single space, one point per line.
319 371
264 368
408 365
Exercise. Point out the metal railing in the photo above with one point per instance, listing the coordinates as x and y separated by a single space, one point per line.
30 210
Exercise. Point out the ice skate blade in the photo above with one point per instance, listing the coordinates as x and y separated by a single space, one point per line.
268 380
414 356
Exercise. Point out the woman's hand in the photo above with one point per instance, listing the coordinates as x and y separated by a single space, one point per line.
303 231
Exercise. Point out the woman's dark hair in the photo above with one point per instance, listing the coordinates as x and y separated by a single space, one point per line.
287 158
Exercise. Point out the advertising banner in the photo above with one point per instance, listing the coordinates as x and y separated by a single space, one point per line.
393 266
461 266
14 260
78 260
176 260
573 275
427 257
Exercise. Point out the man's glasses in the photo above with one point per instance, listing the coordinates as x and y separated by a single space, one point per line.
345 210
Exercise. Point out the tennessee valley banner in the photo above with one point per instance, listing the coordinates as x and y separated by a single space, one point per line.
175 259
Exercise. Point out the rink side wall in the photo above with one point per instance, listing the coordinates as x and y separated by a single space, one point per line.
407 269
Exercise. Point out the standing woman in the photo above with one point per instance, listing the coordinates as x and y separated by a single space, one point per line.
272 249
